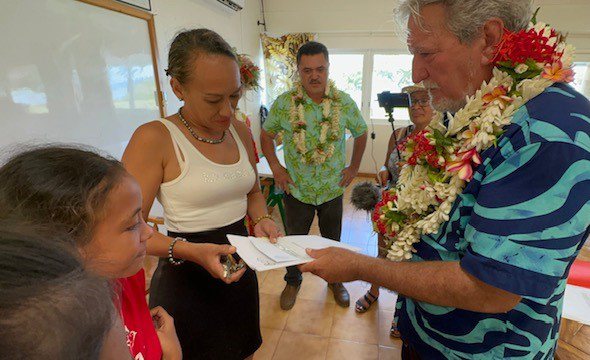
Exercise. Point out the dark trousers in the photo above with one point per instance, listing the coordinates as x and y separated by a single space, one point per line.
409 353
299 217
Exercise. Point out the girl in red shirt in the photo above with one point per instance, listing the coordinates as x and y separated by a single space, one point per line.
93 199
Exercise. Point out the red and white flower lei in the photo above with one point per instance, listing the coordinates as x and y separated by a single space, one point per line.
439 161
329 125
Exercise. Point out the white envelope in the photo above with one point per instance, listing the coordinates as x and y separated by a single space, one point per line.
576 304
260 255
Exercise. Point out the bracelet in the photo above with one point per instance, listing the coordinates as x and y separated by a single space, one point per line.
171 259
260 218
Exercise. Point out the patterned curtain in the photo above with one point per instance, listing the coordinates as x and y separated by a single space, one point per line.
280 60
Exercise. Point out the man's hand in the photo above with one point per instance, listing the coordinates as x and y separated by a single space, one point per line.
267 228
164 324
209 257
348 174
282 178
333 264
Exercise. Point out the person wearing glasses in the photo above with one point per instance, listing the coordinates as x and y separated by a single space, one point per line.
420 116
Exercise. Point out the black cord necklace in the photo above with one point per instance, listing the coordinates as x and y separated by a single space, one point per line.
205 140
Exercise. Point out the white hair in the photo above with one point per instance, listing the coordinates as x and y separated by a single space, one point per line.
465 18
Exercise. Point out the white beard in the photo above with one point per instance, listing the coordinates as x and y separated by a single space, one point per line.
448 105
444 104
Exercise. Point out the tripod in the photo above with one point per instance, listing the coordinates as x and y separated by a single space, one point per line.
389 112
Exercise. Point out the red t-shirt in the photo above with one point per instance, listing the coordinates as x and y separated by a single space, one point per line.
142 338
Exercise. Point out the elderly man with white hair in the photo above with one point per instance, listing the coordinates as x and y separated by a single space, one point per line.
493 204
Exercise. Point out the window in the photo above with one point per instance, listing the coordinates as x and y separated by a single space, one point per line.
28 89
132 87
390 73
347 72
363 75
582 78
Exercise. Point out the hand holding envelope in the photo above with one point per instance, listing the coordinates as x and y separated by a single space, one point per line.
261 255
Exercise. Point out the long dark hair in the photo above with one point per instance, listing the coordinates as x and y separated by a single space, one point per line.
50 307
61 186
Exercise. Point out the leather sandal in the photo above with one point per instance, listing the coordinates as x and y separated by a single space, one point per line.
367 299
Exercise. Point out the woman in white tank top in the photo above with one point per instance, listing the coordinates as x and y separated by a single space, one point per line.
200 164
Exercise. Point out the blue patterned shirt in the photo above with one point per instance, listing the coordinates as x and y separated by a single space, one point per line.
518 226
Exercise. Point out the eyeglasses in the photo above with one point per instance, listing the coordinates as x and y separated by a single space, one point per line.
422 102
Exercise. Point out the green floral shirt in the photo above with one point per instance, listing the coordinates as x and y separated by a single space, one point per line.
314 184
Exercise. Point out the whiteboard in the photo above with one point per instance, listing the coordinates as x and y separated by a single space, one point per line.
73 72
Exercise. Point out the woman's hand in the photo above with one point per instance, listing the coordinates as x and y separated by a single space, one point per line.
209 257
164 324
383 177
267 228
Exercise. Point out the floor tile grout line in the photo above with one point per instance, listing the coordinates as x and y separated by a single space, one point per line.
288 316
277 346
327 348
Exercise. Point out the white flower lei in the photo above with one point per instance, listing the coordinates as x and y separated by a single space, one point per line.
329 126
427 202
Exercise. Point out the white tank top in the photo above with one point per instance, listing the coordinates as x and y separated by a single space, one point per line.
206 195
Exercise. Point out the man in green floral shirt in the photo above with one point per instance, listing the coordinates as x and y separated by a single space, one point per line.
313 118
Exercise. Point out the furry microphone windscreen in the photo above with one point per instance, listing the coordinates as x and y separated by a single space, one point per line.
365 196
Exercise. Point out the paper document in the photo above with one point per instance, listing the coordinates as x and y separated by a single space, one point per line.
576 304
261 255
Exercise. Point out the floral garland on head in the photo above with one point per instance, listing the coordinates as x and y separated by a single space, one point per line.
440 160
329 125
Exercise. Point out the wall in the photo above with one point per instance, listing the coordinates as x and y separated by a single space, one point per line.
54 77
75 73
66 75
368 25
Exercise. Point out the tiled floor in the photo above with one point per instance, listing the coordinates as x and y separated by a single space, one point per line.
317 328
